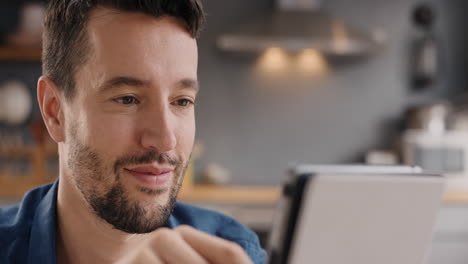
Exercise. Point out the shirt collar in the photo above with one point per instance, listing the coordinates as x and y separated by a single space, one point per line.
42 247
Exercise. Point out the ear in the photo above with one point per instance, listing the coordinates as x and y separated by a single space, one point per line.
50 101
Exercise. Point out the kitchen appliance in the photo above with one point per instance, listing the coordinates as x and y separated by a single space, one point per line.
445 153
432 143
298 25
425 64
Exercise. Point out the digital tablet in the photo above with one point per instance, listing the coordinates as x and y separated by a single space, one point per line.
355 214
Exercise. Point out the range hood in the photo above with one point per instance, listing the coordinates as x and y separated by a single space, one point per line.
297 25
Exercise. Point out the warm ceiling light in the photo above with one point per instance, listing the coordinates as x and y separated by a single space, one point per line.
312 62
273 60
340 38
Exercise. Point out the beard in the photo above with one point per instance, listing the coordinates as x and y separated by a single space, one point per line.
113 203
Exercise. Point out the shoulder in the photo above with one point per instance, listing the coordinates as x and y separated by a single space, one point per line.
219 225
21 214
16 221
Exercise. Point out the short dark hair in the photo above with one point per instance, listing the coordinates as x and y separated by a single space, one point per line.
65 39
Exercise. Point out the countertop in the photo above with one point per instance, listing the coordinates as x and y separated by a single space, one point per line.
265 194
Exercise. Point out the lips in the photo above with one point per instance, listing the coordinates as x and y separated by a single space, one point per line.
151 175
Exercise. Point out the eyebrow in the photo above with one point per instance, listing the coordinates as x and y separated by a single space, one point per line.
120 81
189 84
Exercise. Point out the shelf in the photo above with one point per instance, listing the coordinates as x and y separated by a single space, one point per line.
16 186
16 151
9 53
21 151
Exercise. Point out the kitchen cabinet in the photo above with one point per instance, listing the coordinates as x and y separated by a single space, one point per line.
23 167
449 252
450 241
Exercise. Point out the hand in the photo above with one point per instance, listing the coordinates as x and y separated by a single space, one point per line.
185 244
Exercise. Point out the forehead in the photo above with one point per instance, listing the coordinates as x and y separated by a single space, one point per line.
140 46
111 19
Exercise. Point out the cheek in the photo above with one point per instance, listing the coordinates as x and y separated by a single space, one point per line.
115 135
110 135
186 136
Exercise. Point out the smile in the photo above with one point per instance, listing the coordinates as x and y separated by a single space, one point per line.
150 176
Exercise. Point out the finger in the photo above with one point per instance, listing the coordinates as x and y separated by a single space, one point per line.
212 248
172 248
147 256
141 256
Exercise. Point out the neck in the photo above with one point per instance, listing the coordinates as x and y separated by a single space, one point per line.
83 237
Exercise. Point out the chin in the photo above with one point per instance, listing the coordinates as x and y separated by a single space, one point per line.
147 195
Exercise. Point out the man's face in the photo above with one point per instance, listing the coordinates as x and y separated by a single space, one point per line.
130 126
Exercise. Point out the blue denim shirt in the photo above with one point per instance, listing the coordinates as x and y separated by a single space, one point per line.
28 230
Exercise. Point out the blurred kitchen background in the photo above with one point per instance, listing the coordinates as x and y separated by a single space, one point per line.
383 83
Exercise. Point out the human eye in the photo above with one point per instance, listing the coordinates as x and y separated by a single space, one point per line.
127 100
184 102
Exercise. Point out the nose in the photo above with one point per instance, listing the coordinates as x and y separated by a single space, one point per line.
159 132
